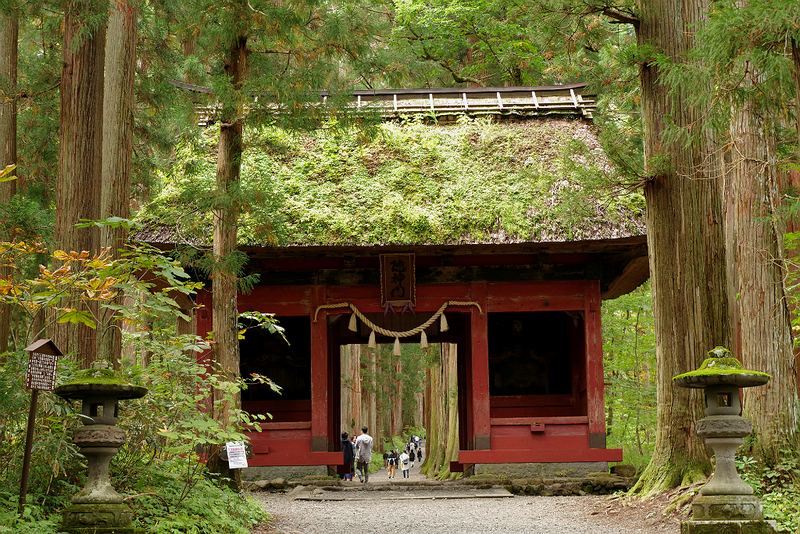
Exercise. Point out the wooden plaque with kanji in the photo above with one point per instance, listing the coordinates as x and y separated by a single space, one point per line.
397 280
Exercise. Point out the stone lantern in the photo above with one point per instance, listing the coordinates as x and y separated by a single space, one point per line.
726 503
98 508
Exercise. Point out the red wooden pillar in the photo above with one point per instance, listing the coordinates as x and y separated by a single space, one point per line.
480 369
319 372
594 366
204 323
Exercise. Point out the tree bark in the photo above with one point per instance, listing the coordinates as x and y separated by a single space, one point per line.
442 414
80 149
685 229
451 395
766 342
118 108
351 389
224 279
9 37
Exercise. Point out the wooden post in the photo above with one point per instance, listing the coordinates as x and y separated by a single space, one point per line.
26 460
480 369
594 366
319 373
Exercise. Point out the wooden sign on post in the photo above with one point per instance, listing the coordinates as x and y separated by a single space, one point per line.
41 376
398 283
42 370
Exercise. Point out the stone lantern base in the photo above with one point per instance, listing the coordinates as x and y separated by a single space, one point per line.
99 518
728 527
727 514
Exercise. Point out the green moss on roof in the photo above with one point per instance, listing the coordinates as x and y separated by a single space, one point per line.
413 183
720 362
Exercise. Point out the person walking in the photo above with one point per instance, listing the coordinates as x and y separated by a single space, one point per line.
391 460
411 456
404 464
349 454
363 454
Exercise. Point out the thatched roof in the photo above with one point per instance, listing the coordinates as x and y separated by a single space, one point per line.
408 184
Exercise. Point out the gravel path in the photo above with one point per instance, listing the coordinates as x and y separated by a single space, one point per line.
399 510
517 515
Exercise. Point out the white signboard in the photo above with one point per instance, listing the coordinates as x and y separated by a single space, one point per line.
237 456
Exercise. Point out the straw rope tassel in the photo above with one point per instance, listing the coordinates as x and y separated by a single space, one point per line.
423 341
372 343
396 346
353 326
444 327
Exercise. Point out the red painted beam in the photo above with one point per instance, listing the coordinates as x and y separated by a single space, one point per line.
297 458
539 456
512 421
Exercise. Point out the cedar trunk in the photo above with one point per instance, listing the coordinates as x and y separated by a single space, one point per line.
80 151
9 21
118 107
685 229
224 279
441 426
766 341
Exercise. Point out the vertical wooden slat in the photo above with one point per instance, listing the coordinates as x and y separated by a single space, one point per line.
480 368
594 361
319 373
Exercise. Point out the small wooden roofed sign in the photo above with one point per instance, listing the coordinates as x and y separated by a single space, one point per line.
42 364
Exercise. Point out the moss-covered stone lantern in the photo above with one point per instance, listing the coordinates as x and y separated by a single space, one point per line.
726 503
98 508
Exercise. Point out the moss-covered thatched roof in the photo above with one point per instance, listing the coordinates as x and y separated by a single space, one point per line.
413 183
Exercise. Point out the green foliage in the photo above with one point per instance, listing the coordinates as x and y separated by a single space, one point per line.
412 183
630 367
165 428
778 486
64 294
163 504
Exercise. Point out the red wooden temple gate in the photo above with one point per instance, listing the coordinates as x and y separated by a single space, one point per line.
530 369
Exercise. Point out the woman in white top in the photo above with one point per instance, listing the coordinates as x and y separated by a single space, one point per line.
404 465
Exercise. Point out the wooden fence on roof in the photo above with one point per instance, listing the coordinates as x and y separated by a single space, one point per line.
445 104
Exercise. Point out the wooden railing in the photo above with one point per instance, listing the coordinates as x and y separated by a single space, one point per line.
449 103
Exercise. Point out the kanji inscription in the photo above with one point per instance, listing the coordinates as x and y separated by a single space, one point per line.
397 280
41 371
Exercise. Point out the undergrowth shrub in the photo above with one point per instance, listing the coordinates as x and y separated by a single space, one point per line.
777 485
165 482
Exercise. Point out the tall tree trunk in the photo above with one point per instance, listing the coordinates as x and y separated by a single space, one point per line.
118 108
435 426
80 148
351 389
685 229
765 323
450 351
9 21
442 414
794 173
224 279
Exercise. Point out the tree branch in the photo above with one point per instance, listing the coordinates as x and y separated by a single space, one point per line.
620 17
